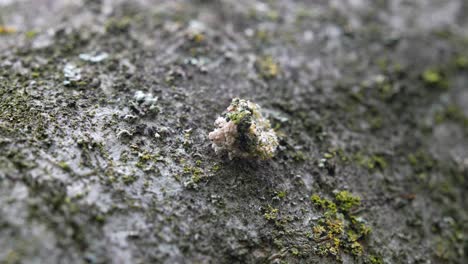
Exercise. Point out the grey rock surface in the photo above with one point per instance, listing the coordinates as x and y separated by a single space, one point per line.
367 97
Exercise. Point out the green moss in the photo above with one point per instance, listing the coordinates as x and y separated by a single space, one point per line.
31 34
187 169
433 77
278 243
334 226
316 200
239 116
383 63
375 122
11 258
452 113
372 163
318 231
298 156
216 168
339 229
340 154
100 218
271 213
64 166
17 113
421 162
358 96
346 201
359 228
330 247
177 177
281 194
461 62
303 14
267 67
129 179
196 173
146 184
356 248
263 35
118 25
145 158
295 252
123 157
377 162
324 204
35 74
111 178
371 259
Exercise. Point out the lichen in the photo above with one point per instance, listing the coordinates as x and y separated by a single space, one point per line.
267 67
94 56
145 103
372 163
346 201
323 203
271 213
462 62
243 132
71 73
452 113
421 162
433 77
129 179
339 229
196 31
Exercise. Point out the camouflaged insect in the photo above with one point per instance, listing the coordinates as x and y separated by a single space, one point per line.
243 132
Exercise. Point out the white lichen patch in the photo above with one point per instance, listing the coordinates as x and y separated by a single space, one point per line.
145 103
145 98
71 73
243 132
196 31
94 57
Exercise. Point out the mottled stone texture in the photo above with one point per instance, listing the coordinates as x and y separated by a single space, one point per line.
369 98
